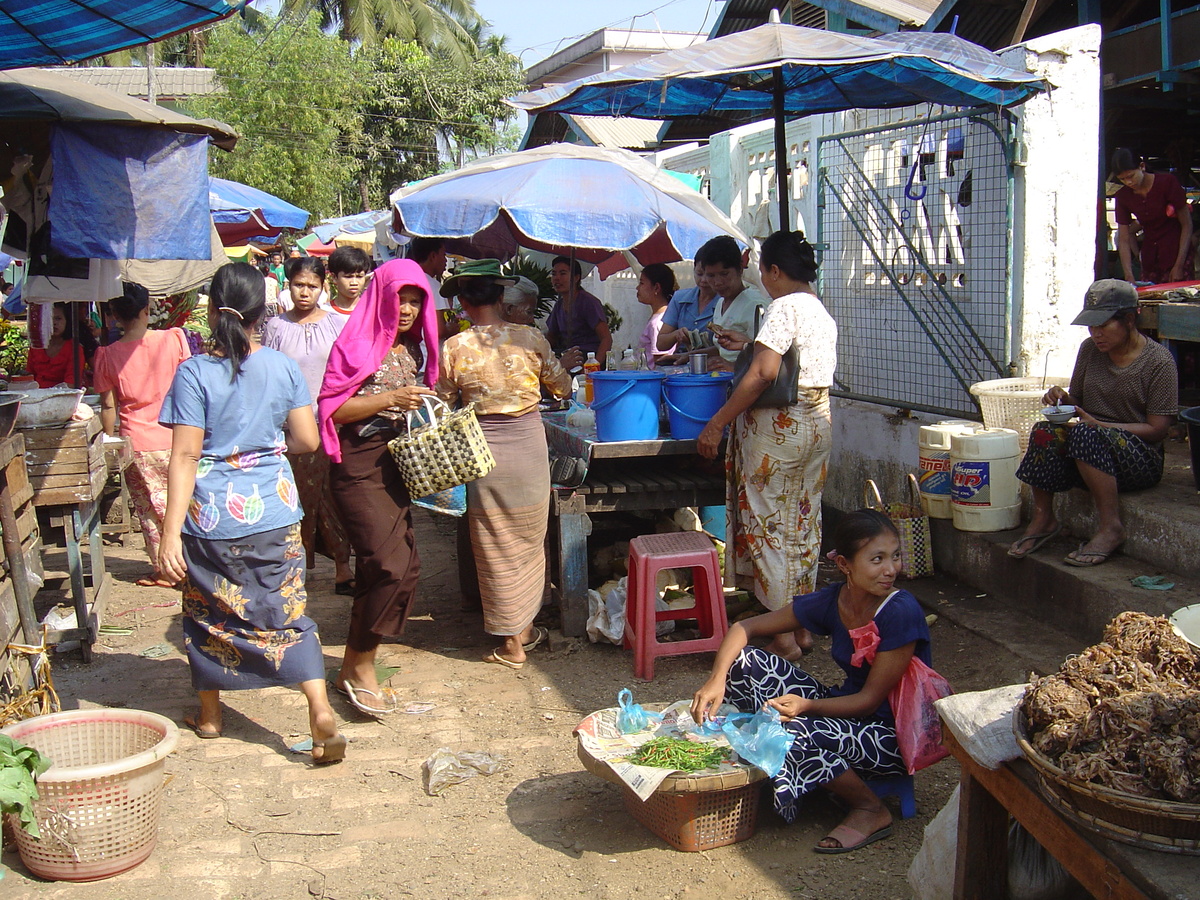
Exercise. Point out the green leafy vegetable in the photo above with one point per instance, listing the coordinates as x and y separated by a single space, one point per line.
19 767
676 753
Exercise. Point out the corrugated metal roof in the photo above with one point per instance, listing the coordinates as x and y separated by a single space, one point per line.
172 83
742 15
625 133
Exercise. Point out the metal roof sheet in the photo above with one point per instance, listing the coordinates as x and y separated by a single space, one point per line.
170 82
625 133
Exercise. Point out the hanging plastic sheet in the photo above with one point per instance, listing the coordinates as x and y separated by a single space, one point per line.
123 192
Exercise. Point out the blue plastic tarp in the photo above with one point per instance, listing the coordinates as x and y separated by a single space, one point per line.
127 192
50 32
356 224
233 203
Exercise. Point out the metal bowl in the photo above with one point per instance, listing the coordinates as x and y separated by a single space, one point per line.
10 404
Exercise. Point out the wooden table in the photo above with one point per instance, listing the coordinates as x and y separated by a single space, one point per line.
68 470
1171 321
622 476
1105 868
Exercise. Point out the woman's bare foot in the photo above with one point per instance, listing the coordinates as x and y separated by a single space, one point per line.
328 745
1102 545
342 571
206 721
513 648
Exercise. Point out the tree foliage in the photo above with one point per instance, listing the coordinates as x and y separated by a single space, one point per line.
294 96
434 25
418 101
335 129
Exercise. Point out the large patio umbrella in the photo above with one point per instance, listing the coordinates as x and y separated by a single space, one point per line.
242 212
787 70
50 32
563 198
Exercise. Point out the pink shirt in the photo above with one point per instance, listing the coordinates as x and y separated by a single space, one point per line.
140 374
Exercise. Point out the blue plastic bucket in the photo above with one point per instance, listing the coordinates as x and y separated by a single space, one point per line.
626 404
694 399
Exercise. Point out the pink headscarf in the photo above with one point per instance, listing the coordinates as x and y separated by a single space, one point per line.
367 338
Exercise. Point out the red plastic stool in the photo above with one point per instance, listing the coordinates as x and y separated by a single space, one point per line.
648 555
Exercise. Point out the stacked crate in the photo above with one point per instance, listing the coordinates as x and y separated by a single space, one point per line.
66 463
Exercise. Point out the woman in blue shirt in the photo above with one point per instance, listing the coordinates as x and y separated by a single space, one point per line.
840 731
232 525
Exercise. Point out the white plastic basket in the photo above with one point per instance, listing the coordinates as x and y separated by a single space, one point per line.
1014 403
98 804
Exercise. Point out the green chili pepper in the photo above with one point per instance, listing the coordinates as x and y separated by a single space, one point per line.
674 753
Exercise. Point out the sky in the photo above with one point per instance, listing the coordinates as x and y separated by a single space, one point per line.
538 28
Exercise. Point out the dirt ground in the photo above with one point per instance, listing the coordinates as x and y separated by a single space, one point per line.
245 818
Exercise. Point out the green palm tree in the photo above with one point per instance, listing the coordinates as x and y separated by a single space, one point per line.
449 25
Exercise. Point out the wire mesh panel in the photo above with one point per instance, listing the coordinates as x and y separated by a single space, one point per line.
916 224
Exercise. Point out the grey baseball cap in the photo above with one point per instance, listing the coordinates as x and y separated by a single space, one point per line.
1104 299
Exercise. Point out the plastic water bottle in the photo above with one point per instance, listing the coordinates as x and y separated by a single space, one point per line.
590 365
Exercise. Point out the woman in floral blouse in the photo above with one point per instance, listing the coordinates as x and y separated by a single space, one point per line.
776 457
502 368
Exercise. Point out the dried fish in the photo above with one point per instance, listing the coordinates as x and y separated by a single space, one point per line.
1124 713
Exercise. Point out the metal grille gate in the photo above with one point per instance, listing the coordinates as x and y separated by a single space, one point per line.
916 224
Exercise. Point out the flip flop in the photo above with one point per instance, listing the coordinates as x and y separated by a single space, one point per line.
1039 540
333 751
352 693
850 839
495 657
191 723
1101 556
154 582
345 588
540 634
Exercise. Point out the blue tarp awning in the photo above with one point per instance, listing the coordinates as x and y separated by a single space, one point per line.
822 71
258 213
356 224
51 32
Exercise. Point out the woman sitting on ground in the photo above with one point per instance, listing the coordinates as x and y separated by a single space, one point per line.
133 374
1125 390
841 732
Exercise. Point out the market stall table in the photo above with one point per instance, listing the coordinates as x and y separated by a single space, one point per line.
68 469
622 476
1106 869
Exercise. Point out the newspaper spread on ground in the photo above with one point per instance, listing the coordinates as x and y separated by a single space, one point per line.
602 739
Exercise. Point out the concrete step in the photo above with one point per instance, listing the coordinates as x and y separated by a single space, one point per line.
1079 602
1036 646
1163 523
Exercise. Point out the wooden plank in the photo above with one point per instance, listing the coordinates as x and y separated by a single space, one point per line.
573 573
10 448
73 434
48 456
10 620
26 521
16 476
66 479
982 844
1179 321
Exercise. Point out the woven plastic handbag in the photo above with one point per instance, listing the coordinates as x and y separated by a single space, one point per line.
446 451
916 543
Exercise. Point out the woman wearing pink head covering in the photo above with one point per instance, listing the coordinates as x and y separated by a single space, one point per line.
370 383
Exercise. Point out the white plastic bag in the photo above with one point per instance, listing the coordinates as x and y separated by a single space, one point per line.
445 767
606 618
931 875
981 721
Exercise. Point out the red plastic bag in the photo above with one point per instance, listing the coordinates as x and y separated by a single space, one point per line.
918 728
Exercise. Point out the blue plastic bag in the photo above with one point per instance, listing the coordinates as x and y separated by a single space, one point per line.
759 739
450 502
632 718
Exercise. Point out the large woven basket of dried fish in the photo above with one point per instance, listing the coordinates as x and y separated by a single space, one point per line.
1112 736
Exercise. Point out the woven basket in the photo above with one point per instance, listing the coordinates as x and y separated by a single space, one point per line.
693 812
447 451
1014 403
1166 825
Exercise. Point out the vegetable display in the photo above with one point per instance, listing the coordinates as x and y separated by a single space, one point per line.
676 753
